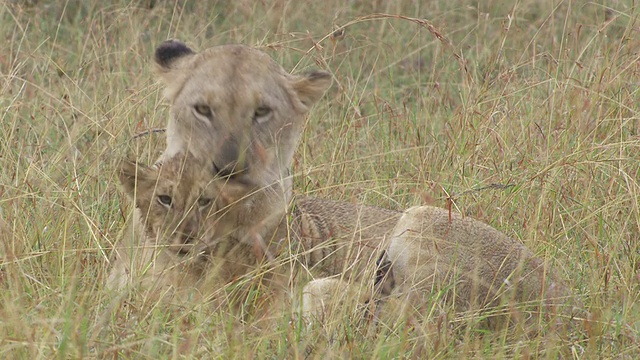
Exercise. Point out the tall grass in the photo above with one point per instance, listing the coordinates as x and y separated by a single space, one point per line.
522 114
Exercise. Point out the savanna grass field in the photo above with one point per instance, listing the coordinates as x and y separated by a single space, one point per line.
522 114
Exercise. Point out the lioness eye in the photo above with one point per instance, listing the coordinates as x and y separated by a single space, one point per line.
261 114
164 200
204 202
203 110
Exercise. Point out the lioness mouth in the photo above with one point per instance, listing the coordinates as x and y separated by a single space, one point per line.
230 173
216 169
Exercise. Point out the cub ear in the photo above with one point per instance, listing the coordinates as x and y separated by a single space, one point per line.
310 87
132 174
169 53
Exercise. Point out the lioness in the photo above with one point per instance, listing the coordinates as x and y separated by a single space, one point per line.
235 110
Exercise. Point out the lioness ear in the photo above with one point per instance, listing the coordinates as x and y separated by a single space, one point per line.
310 87
171 57
169 54
133 174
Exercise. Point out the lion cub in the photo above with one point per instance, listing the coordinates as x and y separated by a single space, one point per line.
178 204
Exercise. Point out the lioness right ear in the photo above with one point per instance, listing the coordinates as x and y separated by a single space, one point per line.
169 53
310 87
132 174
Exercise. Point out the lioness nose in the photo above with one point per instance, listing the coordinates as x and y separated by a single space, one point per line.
232 160
231 169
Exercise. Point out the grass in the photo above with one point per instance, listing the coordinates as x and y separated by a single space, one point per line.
522 114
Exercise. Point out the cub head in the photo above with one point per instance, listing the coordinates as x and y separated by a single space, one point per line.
235 108
174 199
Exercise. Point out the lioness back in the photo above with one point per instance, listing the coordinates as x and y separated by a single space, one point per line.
467 262
422 255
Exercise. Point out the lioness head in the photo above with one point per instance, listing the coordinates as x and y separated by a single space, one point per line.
174 198
235 108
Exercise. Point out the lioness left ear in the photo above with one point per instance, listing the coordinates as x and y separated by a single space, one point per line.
169 52
171 57
310 87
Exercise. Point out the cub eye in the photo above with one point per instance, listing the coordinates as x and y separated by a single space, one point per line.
203 110
204 202
164 200
261 114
